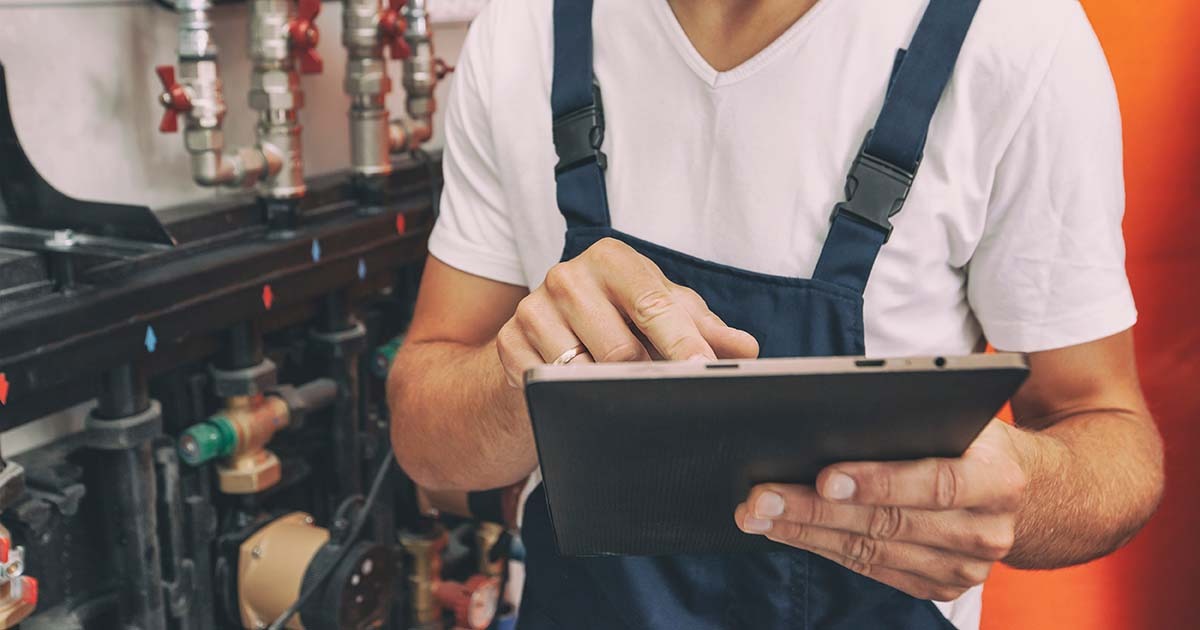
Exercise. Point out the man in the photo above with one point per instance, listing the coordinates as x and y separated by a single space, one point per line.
697 211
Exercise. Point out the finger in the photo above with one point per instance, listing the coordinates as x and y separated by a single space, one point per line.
545 328
517 354
643 295
933 483
581 305
983 536
865 555
726 341
580 299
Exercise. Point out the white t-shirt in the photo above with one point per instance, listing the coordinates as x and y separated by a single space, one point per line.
1012 232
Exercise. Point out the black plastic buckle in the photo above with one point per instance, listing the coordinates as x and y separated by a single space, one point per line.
875 191
578 135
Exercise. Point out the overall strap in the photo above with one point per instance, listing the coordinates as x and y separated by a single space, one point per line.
578 119
882 175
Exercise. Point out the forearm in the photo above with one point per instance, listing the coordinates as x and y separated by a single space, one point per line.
1094 479
456 424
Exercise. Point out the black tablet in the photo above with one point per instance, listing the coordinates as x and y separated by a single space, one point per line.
652 458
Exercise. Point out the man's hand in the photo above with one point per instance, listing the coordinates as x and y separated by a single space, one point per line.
618 305
931 528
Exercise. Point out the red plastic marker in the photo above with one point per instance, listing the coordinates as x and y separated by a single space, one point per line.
3 389
399 223
29 590
5 547
267 296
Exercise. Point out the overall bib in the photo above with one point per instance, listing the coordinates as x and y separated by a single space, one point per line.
791 317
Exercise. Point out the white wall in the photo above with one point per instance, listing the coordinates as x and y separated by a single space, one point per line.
84 97
84 93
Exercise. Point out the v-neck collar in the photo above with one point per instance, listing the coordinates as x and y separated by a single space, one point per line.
713 77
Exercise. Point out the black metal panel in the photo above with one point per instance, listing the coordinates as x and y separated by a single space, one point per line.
27 199
206 285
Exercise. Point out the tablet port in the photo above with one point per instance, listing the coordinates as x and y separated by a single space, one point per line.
940 361
722 366
870 363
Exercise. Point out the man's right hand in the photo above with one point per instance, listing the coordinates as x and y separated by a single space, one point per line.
618 305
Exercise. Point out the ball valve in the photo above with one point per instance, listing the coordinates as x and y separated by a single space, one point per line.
303 36
392 28
174 99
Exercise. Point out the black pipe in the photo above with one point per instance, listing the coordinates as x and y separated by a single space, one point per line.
243 347
131 505
340 339
123 393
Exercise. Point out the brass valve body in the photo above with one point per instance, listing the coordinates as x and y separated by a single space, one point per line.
252 468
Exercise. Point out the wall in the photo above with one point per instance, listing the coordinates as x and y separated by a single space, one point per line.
1155 581
84 93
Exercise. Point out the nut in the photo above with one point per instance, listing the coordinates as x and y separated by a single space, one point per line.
201 140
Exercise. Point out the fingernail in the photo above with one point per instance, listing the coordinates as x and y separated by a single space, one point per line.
769 504
699 357
757 525
839 487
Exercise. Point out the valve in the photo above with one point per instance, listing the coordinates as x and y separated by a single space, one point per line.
441 68
392 28
239 434
18 592
473 604
303 36
174 99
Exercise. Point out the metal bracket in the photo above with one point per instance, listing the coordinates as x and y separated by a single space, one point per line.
251 381
123 433
342 343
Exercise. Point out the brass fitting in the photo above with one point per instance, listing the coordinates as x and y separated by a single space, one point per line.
240 434
18 592
425 568
487 535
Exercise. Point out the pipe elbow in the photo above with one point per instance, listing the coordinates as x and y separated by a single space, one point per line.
211 168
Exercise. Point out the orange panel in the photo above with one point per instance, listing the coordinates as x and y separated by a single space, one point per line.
1154 50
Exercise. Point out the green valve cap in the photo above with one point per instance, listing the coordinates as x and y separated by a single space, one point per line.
208 440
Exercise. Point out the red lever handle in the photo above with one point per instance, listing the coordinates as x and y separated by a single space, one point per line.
303 35
393 27
174 99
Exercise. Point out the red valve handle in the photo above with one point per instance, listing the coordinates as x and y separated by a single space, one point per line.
392 28
303 34
473 603
174 99
441 68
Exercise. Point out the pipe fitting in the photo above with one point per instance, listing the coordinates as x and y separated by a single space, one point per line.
18 592
279 32
367 84
195 30
239 434
420 72
409 135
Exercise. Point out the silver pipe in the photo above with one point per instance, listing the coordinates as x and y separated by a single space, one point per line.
367 84
276 95
200 79
420 75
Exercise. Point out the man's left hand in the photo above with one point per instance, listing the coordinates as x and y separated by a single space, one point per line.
931 528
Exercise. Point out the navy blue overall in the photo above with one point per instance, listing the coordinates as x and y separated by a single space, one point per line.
790 317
